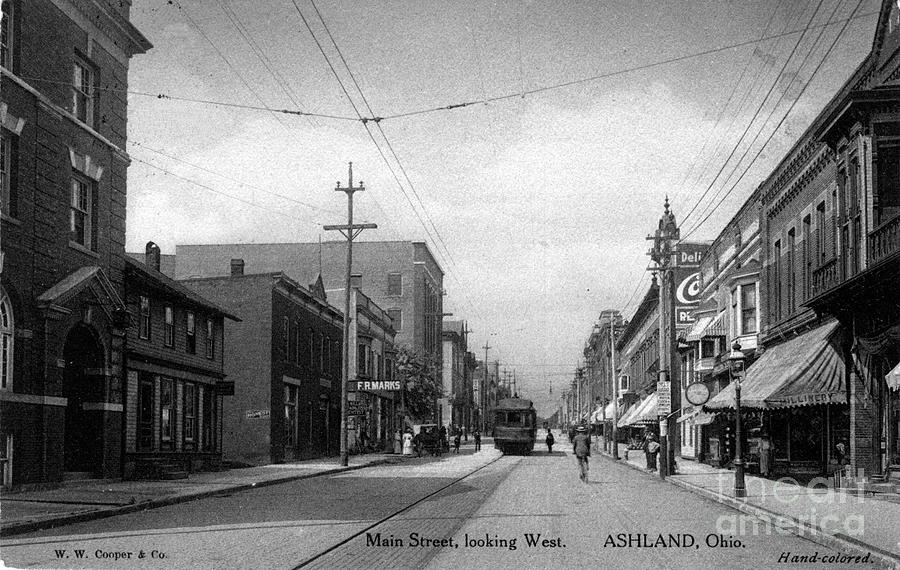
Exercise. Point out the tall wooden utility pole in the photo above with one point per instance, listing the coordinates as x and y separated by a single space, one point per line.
485 382
615 388
664 240
350 231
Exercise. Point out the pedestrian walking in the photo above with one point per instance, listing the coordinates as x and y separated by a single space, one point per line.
457 439
476 435
549 440
651 448
581 446
408 443
398 442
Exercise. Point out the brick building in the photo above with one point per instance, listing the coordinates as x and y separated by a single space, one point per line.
175 379
63 114
457 403
285 365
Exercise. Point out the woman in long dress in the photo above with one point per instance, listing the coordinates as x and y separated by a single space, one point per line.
398 442
407 443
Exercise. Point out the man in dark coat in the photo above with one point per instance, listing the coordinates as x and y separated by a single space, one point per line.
581 446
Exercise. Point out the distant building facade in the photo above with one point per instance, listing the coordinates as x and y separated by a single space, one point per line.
285 365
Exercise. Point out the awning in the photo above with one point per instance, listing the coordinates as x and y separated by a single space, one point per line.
893 378
688 416
704 418
718 326
647 414
696 332
597 415
610 410
625 420
806 370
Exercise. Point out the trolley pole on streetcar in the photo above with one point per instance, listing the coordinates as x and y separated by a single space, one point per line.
350 231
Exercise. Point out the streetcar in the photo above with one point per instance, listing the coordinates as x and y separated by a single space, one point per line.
515 423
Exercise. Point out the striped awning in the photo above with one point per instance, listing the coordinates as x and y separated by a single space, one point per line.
647 413
696 332
804 371
718 326
625 419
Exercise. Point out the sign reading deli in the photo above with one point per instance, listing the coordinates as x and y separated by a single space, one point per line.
687 281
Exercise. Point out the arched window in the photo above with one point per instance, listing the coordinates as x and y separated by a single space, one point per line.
6 341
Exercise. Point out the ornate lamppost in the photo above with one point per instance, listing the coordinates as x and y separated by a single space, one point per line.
736 370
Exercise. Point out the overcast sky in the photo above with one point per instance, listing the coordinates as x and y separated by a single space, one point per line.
536 205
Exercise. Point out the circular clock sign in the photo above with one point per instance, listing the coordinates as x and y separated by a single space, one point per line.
697 393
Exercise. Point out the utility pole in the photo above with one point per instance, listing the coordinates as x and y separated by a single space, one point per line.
484 386
350 231
664 240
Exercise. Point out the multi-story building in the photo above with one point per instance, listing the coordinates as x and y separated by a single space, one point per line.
174 374
457 401
602 378
638 363
63 165
375 391
729 311
828 294
285 365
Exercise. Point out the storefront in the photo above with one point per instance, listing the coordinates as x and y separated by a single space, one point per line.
794 396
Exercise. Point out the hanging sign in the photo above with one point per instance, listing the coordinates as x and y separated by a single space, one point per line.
664 398
697 393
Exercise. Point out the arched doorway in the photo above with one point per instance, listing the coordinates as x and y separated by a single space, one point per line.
82 383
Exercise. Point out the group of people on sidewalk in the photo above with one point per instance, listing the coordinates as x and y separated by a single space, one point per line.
408 443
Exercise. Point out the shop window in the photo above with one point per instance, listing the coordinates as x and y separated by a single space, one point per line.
191 334
166 409
190 413
7 336
291 396
144 320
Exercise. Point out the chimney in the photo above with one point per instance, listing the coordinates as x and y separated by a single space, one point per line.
237 267
152 256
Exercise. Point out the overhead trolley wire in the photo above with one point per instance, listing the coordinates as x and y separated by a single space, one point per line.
781 122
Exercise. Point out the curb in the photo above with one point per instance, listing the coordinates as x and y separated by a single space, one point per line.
30 526
802 529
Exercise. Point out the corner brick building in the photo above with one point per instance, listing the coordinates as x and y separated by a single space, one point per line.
63 114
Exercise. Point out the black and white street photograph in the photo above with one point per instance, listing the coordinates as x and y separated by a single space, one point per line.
465 284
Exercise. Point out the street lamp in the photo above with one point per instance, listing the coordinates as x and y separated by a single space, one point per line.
736 370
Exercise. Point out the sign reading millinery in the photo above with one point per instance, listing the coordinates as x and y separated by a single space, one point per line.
697 393
687 282
664 395
369 385
257 414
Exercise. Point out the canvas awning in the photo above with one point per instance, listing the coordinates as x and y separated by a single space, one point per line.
688 416
625 419
647 414
696 332
893 378
597 415
704 418
717 327
804 371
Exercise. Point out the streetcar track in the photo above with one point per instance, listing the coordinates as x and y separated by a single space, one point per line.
385 519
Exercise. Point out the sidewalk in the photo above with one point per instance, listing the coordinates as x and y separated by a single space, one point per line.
87 500
841 520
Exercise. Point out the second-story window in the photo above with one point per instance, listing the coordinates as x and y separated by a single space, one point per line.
7 32
395 284
210 339
191 334
81 212
396 316
83 91
170 326
144 321
7 200
748 309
